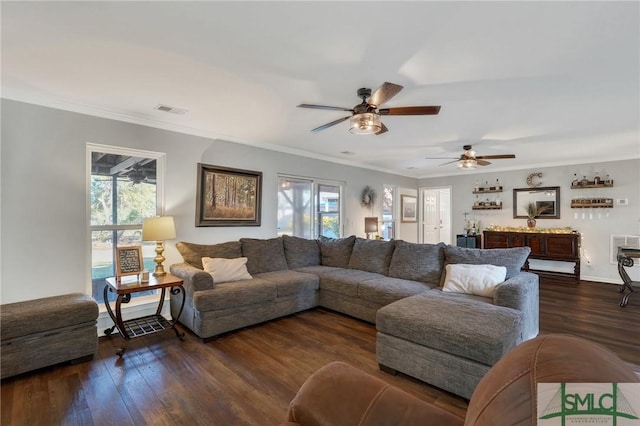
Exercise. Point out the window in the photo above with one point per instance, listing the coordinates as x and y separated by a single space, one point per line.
328 211
388 227
308 208
124 187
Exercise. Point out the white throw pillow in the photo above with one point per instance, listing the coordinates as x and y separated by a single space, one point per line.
226 270
480 280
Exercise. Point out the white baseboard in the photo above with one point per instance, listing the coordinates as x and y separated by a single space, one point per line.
602 280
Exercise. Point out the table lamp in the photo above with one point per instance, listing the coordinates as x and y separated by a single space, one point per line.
158 229
370 225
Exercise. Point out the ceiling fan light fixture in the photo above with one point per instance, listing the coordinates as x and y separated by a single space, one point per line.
467 164
366 123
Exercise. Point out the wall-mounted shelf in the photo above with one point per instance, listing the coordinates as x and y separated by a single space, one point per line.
592 184
487 191
487 207
587 203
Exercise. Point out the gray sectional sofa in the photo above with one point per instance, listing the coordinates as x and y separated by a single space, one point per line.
369 280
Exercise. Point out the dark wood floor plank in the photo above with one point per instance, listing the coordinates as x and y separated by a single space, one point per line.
248 377
68 403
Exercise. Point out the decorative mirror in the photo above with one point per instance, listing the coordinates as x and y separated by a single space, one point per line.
545 199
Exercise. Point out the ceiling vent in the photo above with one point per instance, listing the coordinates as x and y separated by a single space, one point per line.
172 110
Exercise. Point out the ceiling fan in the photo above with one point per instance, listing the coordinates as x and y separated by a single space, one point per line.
365 117
469 159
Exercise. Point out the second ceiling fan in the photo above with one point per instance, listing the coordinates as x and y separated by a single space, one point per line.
365 117
469 159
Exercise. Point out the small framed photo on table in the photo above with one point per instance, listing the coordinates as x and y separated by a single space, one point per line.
128 261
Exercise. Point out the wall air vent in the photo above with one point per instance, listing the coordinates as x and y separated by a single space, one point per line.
172 110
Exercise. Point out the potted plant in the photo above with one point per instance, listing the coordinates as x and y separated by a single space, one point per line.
533 211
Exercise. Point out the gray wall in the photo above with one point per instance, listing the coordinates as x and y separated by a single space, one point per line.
596 232
45 243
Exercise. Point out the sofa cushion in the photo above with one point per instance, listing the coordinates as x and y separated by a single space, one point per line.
480 280
237 293
371 255
193 253
336 251
264 255
291 283
511 258
345 281
465 328
226 270
417 262
301 252
385 290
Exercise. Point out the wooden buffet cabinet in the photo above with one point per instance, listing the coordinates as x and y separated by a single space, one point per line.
544 246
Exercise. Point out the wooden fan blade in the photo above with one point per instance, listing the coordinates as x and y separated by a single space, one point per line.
482 162
331 108
333 123
383 93
449 162
441 158
382 130
413 110
495 157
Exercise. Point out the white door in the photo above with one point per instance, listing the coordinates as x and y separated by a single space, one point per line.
435 215
431 217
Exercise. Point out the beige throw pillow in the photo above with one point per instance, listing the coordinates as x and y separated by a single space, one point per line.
226 270
480 280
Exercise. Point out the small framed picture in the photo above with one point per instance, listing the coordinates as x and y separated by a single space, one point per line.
409 208
128 260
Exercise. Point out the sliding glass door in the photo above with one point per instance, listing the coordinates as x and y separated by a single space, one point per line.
308 208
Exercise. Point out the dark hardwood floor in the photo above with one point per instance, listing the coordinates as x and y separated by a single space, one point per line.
249 376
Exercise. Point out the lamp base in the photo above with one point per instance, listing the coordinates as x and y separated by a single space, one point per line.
159 271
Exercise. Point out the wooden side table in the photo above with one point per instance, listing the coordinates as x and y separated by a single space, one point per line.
625 260
142 326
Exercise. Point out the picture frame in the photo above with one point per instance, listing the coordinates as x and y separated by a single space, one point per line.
228 197
408 208
128 261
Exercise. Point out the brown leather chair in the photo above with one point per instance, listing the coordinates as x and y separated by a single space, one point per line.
339 394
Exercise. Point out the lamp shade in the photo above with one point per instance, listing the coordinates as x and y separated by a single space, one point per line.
367 123
158 228
467 164
370 224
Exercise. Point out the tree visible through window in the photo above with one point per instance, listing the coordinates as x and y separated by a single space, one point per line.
123 191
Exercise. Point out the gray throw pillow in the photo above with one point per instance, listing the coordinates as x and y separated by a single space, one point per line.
417 262
301 252
263 255
336 251
371 255
511 258
193 253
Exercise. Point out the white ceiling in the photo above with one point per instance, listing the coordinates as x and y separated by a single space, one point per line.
552 82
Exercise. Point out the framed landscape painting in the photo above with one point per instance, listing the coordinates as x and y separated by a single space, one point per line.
228 197
409 208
